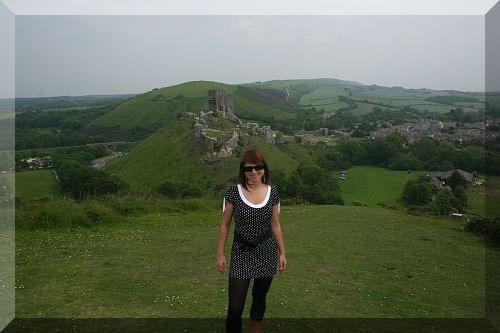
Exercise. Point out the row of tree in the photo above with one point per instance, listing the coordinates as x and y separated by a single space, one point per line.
45 129
442 201
394 152
80 180
310 183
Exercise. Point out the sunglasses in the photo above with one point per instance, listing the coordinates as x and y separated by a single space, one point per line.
257 167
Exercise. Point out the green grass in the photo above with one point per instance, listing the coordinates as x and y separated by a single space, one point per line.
371 186
163 156
343 261
157 107
475 200
172 154
37 184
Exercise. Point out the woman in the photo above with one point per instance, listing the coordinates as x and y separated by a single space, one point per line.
255 206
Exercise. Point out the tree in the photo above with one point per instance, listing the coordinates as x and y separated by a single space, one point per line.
176 189
426 149
456 179
460 195
457 114
332 160
406 162
352 151
417 193
278 179
443 204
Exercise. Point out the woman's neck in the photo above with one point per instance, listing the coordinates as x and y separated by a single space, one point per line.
254 186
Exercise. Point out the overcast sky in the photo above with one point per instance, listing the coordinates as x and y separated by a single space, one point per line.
76 55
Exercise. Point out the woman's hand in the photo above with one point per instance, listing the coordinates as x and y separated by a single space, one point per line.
221 264
282 263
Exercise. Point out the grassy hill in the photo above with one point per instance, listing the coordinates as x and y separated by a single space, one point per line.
37 184
323 94
157 107
424 267
173 154
169 154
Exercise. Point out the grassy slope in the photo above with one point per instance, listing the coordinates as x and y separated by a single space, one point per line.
160 105
372 185
326 92
284 157
37 184
162 156
248 108
162 265
170 154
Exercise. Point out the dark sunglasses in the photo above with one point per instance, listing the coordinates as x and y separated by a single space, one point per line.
257 167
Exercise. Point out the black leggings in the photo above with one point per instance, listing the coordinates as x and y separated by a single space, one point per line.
237 294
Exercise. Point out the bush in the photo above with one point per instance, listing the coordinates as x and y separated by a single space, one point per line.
484 226
175 189
460 195
406 162
314 185
417 192
443 204
62 213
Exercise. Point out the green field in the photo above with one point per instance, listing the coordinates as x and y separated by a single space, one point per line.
372 186
37 184
343 261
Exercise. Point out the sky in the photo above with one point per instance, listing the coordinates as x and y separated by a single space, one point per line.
78 55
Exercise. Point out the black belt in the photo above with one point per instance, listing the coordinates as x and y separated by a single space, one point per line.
248 245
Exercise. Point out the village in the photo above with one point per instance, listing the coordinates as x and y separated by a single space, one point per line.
217 143
220 104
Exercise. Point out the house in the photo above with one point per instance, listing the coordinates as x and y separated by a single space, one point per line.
439 178
37 162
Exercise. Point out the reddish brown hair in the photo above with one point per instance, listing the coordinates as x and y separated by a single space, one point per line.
253 156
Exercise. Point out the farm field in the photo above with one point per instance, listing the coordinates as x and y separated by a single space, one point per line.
371 186
162 265
37 184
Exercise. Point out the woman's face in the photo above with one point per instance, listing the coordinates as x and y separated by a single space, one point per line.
254 172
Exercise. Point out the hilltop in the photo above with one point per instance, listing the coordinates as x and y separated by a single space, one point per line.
173 153
269 114
280 100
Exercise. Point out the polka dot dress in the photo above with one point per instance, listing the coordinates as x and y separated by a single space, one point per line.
252 220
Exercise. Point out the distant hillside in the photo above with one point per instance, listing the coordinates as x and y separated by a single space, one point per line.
323 94
66 102
173 154
279 101
156 108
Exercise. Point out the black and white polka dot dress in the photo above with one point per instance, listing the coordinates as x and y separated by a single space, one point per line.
252 220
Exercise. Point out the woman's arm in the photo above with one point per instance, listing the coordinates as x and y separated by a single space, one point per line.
276 227
227 215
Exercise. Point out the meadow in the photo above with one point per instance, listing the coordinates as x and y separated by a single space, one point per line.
372 186
343 261
145 256
37 184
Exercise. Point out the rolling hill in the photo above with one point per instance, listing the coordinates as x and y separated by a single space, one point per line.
156 108
173 154
280 100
